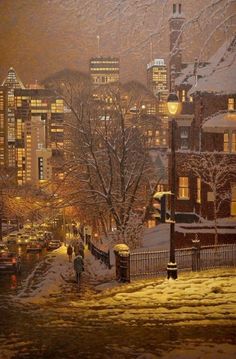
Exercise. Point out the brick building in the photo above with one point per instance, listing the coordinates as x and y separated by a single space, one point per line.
209 93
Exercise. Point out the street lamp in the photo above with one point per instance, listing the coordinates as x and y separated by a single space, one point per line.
174 108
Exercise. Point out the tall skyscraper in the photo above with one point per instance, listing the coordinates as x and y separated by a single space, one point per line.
3 126
39 134
176 22
11 83
157 81
104 70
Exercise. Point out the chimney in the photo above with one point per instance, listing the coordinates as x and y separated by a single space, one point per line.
180 8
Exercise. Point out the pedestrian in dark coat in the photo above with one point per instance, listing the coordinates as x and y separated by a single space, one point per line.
69 252
78 267
76 248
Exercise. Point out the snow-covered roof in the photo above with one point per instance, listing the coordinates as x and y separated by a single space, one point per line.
216 76
221 77
187 76
221 120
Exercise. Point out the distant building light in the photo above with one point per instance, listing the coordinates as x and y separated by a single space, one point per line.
156 62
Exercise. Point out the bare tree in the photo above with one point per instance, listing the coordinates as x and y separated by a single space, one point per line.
216 172
109 164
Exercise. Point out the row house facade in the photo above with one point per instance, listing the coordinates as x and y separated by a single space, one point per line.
210 133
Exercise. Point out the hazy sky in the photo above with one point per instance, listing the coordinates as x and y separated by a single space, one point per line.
39 37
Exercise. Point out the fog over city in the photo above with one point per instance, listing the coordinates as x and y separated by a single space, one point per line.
117 179
41 37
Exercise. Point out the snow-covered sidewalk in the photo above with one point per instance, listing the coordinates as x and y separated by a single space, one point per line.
57 272
205 297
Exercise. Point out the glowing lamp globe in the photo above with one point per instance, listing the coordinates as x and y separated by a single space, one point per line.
173 104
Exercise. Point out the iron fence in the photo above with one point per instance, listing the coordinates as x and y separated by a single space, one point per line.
148 263
98 253
152 263
218 256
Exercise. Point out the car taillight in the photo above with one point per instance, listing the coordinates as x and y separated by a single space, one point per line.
13 260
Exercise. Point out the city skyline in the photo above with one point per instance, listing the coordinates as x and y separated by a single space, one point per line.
40 39
117 165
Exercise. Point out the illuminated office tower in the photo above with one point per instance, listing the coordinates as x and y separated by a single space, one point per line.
40 134
104 70
3 126
157 83
11 83
157 78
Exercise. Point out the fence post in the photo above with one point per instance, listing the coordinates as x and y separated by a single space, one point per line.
122 255
196 263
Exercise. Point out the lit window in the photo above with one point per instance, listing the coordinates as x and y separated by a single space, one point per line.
226 142
233 200
231 104
233 148
183 96
183 188
198 190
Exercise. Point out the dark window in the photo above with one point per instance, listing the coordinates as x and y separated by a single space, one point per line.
184 138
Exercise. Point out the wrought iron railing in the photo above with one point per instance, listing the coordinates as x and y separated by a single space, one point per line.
152 263
98 253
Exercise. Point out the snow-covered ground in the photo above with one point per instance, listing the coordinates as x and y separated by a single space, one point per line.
204 297
195 299
57 272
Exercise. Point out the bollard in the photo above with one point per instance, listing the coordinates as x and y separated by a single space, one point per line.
172 270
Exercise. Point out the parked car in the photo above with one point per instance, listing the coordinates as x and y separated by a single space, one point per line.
33 237
34 246
3 248
10 262
12 238
53 244
23 239
42 241
41 234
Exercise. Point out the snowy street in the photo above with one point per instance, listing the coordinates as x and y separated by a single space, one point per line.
198 310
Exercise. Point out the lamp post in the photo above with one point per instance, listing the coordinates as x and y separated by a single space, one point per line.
174 108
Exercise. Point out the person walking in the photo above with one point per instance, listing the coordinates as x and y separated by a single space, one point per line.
76 248
78 267
81 249
69 252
